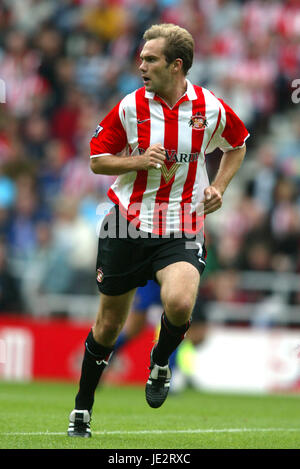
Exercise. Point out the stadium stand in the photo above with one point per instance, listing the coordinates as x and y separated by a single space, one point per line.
65 64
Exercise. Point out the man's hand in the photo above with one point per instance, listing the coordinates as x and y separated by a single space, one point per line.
212 200
213 194
153 157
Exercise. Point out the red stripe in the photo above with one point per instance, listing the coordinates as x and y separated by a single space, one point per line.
113 196
143 131
192 223
163 193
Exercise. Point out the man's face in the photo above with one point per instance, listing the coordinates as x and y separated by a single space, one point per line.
154 68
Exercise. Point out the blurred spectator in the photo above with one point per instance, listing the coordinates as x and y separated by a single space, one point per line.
7 191
265 178
27 14
51 171
19 65
65 119
225 288
36 136
47 268
257 256
10 295
105 19
24 217
288 151
285 220
77 238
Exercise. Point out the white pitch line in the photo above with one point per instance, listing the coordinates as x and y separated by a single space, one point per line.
159 432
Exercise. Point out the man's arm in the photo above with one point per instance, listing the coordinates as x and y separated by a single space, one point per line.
114 165
229 165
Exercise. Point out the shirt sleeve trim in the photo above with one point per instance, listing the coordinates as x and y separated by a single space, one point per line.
100 154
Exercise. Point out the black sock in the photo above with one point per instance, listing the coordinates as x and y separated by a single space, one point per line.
170 337
94 362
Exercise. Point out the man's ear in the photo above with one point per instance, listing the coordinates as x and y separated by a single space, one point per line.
177 65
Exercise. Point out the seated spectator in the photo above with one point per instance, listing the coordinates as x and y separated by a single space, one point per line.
10 295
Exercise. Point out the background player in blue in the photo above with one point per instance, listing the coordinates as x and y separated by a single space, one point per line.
137 319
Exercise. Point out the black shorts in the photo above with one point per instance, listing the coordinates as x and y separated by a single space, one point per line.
125 263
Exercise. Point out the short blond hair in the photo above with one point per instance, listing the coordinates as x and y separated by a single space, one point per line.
179 43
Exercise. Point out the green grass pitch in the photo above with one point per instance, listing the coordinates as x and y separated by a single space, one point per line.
35 416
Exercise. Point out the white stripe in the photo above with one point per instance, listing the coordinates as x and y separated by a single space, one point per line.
212 106
162 432
157 124
100 154
191 93
130 123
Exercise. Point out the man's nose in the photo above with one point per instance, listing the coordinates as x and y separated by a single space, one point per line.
143 66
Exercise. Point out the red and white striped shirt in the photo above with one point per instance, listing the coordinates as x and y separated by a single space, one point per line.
164 201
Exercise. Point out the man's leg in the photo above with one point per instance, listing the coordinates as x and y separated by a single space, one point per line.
110 319
137 319
99 344
179 286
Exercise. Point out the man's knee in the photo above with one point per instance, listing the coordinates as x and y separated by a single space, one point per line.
107 326
179 308
106 331
111 317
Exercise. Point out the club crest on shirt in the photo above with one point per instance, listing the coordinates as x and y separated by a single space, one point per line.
198 122
100 275
97 131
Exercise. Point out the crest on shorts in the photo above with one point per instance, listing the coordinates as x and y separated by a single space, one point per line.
198 122
100 275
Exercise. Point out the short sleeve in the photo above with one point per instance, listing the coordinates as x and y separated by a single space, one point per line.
110 136
231 132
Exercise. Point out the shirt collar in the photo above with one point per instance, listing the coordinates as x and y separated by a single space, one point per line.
190 93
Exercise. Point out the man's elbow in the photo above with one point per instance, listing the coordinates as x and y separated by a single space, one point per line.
243 153
244 149
95 165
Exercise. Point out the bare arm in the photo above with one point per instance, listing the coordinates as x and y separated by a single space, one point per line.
153 157
229 165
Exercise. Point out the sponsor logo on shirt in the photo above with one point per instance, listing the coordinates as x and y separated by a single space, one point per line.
174 160
97 131
173 157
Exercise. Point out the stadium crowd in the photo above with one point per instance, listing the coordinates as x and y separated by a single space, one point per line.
65 63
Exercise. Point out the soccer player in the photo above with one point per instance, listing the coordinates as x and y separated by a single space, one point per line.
155 140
